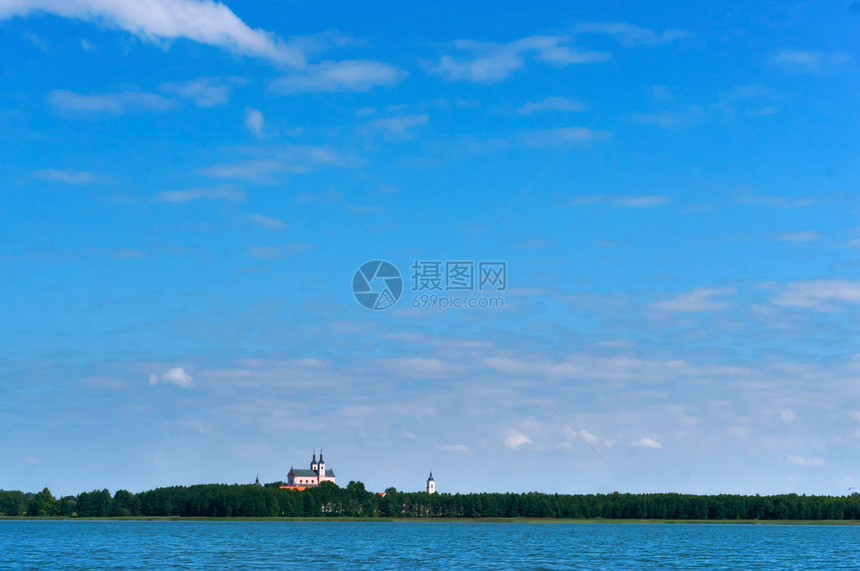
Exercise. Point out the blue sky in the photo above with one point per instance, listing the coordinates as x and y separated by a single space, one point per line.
673 188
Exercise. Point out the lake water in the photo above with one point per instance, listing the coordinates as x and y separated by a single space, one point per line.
383 545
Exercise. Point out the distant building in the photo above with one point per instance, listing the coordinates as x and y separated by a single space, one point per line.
300 479
431 484
257 483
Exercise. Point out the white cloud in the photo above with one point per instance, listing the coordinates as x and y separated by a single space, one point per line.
88 47
631 35
588 437
37 41
787 415
203 21
514 439
324 155
621 201
254 121
699 299
489 62
176 376
551 104
67 176
409 435
31 460
535 242
276 252
398 126
562 135
250 169
204 91
800 461
646 442
455 448
669 119
800 61
816 294
221 191
349 75
267 222
108 103
776 201
805 236
417 367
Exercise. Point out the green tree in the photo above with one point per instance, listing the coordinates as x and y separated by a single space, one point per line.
43 504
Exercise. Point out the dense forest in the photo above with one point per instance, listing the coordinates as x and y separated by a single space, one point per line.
329 500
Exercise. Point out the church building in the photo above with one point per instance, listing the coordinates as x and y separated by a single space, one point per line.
299 478
431 484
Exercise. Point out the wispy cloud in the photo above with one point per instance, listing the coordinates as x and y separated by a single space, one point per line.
804 236
562 135
176 376
800 461
123 253
588 437
776 201
787 415
276 252
204 91
249 169
108 103
699 299
823 295
670 119
267 222
536 243
37 41
399 126
203 21
221 191
254 121
622 200
455 448
349 75
552 104
66 176
514 439
484 62
646 442
800 61
632 35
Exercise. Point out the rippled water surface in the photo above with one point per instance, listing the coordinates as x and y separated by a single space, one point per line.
382 545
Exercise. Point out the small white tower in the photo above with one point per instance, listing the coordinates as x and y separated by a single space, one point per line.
431 484
314 461
321 471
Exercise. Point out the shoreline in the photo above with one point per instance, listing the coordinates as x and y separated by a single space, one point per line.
443 520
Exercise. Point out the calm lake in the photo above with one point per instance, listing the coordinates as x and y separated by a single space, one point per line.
383 545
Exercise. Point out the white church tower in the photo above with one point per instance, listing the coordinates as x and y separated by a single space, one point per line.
431 484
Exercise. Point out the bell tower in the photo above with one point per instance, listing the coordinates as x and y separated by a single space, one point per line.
314 461
431 484
321 467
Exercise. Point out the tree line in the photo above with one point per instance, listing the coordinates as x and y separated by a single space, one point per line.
329 500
